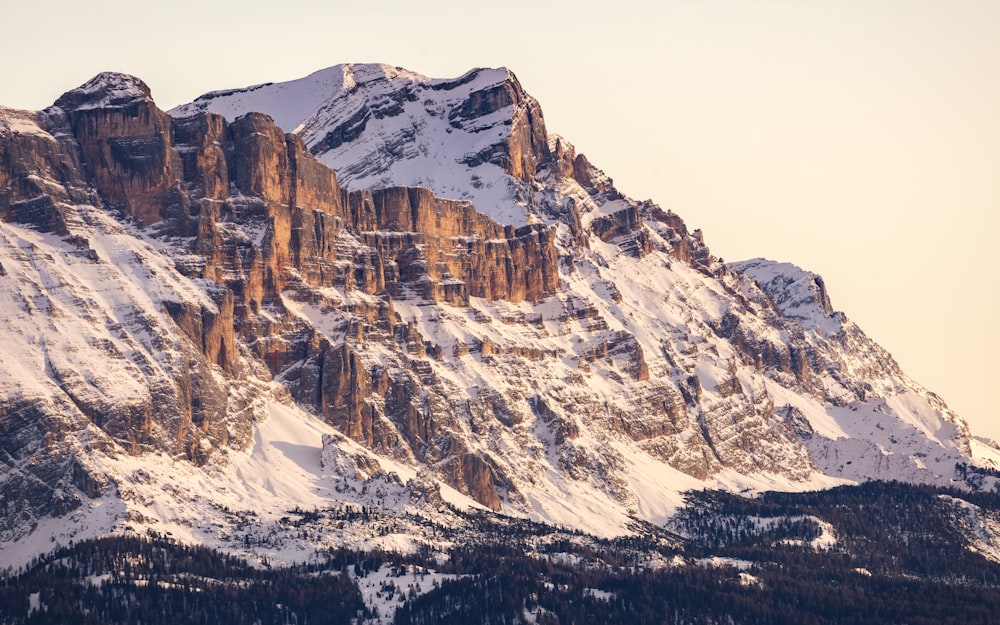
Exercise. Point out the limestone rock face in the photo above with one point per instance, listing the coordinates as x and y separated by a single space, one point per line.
214 182
260 165
126 143
202 140
446 251
210 329
30 158
526 147
616 224
444 285
479 479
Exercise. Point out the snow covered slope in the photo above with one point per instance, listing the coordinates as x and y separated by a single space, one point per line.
214 339
380 126
389 128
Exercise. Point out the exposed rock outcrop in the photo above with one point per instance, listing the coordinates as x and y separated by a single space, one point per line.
126 145
466 296
213 181
38 174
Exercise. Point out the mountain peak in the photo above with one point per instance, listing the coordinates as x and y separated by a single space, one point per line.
360 73
106 90
799 294
477 137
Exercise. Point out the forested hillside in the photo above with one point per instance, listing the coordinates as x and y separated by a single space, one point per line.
876 553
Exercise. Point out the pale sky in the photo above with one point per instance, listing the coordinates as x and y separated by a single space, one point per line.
859 139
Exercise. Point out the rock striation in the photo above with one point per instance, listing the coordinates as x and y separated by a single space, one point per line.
429 272
194 179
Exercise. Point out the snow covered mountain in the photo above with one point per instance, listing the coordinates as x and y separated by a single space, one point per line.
379 126
416 297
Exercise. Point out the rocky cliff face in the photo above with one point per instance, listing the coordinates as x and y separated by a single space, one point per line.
466 297
248 209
